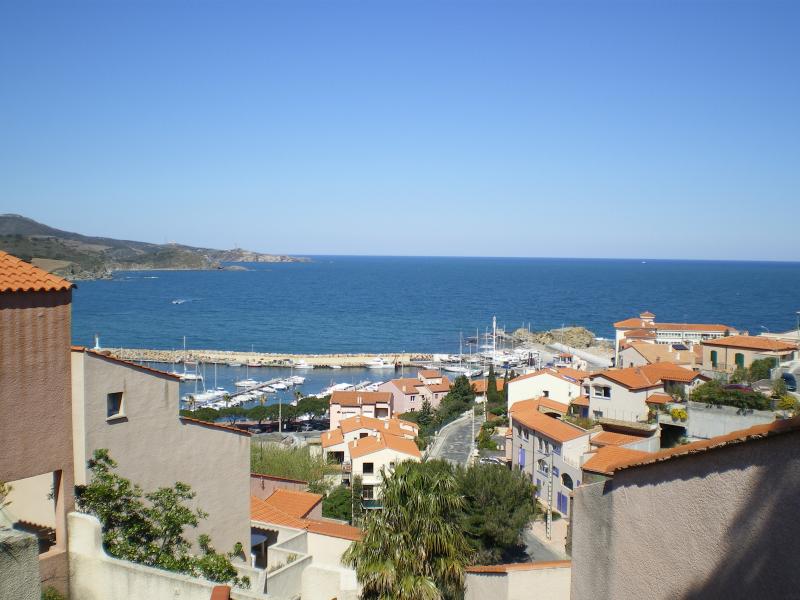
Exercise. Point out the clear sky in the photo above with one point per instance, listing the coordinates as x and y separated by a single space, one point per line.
600 129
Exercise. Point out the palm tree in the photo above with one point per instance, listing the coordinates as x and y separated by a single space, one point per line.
413 548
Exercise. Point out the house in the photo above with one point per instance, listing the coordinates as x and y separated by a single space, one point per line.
132 411
639 354
370 404
335 442
537 580
371 455
409 393
35 410
646 328
739 351
563 385
548 451
623 394
299 551
680 523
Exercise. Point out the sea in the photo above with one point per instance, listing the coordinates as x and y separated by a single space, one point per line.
380 305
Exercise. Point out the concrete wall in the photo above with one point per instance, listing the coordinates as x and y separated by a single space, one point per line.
19 566
154 448
96 576
709 421
551 583
323 583
35 411
714 524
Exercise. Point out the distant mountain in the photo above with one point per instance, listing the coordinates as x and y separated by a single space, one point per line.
77 256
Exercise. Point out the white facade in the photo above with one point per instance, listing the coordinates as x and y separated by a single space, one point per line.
549 384
611 400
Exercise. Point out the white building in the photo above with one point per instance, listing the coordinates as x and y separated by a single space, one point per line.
335 442
645 328
624 394
562 385
369 455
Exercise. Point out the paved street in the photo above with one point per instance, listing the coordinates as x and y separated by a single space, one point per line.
537 546
454 443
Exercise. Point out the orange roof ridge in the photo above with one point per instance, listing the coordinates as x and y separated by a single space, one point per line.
263 511
736 437
528 566
354 398
751 342
292 502
604 460
16 275
192 421
555 429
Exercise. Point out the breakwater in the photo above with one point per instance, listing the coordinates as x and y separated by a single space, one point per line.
263 359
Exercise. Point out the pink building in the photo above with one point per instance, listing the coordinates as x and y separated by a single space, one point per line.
410 393
35 409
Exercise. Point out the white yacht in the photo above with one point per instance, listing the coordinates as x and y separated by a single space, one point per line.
379 363
301 364
246 383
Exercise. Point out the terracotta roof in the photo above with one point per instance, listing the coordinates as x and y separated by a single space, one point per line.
296 504
648 376
554 429
360 398
376 443
339 530
407 385
127 363
16 275
539 403
567 374
332 438
750 342
261 510
659 398
392 426
654 353
611 438
605 459
479 386
528 566
192 421
437 388
641 334
639 323
736 437
430 373
581 401
647 315
276 478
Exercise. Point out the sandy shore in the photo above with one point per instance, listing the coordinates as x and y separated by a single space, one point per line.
263 358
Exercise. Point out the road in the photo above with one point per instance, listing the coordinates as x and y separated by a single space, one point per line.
454 442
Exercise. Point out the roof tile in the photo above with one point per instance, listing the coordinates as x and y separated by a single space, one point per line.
16 275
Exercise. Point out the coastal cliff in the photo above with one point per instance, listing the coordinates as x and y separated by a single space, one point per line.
77 256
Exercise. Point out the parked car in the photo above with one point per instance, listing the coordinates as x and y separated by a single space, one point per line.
790 381
491 460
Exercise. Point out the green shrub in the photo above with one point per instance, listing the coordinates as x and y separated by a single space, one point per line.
51 593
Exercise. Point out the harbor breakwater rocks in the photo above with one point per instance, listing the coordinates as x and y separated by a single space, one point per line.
265 359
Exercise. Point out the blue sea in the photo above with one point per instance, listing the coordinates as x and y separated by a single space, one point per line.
394 304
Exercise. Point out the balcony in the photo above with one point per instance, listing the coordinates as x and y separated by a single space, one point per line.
371 504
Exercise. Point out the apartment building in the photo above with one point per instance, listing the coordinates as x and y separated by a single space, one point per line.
410 393
624 394
561 384
739 351
335 443
372 455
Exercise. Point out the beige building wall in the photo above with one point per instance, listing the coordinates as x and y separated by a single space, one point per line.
155 448
545 581
715 524
623 404
726 357
386 458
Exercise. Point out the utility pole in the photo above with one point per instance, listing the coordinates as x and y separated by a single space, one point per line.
280 416
549 523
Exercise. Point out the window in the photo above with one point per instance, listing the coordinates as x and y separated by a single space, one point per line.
413 398
606 392
556 472
526 434
598 414
739 360
363 434
566 480
586 390
557 449
546 393
367 493
369 468
542 466
714 359
114 405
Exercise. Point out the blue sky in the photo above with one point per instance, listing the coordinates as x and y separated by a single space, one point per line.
599 129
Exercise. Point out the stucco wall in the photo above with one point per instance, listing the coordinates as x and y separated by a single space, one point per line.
19 566
262 486
535 584
624 404
96 576
154 448
714 524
